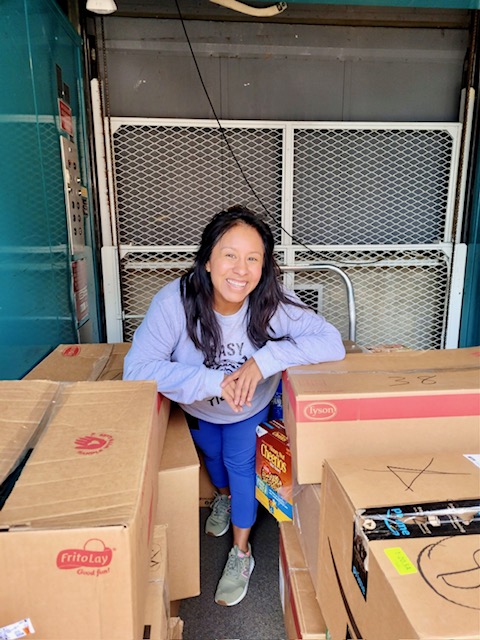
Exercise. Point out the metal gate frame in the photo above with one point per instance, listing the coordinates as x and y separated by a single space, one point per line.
112 252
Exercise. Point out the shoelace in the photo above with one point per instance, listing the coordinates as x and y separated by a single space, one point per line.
235 564
220 506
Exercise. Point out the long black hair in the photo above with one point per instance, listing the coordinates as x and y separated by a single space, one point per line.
197 289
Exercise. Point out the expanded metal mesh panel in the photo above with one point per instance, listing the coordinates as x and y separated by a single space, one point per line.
369 186
356 186
170 180
400 296
142 276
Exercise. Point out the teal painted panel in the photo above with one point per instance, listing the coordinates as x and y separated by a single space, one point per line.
470 325
36 307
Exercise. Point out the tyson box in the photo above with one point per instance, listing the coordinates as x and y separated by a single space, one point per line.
76 525
399 547
273 466
375 403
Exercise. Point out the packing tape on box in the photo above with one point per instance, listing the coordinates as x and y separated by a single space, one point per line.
452 518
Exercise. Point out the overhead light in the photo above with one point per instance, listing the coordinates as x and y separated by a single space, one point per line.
264 12
103 7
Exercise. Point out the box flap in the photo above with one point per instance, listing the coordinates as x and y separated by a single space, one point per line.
430 359
113 369
389 373
291 554
87 467
76 362
178 449
392 480
22 409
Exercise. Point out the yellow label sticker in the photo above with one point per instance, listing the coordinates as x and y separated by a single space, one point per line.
400 561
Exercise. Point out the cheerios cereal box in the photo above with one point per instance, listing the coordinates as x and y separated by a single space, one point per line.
274 470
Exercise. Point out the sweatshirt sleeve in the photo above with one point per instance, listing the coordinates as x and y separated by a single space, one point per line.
151 354
314 340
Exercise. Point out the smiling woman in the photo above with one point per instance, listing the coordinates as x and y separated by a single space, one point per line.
216 342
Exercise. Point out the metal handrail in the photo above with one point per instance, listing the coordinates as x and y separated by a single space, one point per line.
352 316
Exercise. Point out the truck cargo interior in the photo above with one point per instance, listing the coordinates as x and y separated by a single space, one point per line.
352 128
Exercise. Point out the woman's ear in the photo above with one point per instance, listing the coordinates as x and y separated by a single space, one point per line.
207 266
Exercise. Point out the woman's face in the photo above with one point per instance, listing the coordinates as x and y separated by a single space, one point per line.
235 267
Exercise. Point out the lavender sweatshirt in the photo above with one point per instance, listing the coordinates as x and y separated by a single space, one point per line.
162 351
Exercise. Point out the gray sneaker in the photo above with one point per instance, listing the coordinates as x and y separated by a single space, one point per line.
233 584
218 521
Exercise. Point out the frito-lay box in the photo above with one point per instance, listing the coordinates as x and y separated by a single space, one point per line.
77 519
399 547
376 403
274 470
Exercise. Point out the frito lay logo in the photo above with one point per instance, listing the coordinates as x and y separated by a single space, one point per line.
320 411
93 443
70 352
93 559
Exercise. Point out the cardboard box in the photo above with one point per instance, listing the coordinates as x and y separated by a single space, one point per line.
157 607
175 628
273 467
399 547
179 466
175 607
178 507
302 615
160 622
207 490
375 403
306 516
76 527
75 362
23 415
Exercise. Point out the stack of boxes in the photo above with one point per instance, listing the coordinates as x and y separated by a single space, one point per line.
80 463
374 475
386 496
93 544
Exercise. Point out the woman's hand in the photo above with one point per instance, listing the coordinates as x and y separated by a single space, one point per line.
239 387
228 394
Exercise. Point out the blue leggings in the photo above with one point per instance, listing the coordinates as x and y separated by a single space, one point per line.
229 454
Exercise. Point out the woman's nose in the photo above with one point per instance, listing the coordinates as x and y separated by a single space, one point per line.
241 266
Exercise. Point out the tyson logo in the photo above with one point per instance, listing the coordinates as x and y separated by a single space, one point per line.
320 411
